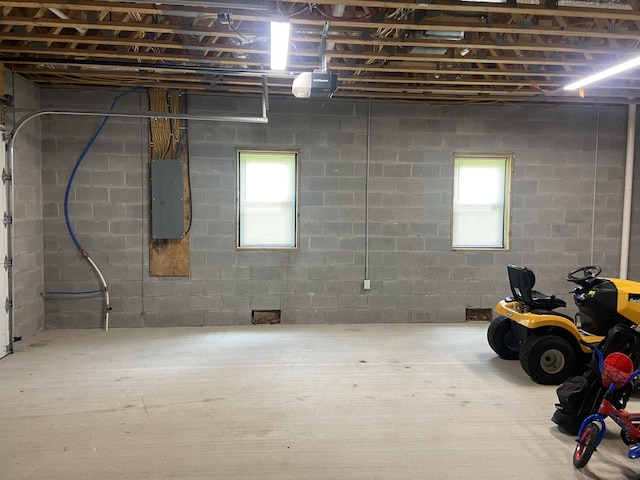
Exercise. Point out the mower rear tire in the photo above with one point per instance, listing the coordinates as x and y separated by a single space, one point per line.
501 338
548 359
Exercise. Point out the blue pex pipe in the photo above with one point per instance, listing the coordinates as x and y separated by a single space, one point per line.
74 293
77 166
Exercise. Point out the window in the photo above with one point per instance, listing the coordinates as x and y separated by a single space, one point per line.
481 201
267 199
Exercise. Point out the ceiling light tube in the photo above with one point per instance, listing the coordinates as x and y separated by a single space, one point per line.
635 62
279 45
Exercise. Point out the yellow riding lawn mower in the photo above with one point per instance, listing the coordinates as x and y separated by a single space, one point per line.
548 342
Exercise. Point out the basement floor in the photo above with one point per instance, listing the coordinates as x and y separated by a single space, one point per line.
408 401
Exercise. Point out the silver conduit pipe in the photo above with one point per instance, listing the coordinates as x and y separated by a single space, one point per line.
98 113
105 289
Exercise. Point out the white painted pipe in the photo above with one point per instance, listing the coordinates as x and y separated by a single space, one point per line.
595 185
628 189
367 180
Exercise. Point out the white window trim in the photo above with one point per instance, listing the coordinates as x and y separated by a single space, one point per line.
296 200
508 187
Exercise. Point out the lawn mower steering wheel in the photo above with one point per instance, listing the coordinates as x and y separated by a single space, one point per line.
589 272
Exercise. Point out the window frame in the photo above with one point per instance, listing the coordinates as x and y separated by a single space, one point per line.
507 203
296 199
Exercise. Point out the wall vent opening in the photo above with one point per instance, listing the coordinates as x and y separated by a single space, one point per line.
478 315
261 317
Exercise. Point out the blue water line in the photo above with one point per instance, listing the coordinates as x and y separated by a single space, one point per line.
68 192
73 174
77 165
74 293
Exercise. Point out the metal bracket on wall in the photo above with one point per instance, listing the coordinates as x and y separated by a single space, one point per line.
8 263
8 305
7 219
6 175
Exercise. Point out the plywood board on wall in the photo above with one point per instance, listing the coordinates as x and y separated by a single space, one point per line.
170 257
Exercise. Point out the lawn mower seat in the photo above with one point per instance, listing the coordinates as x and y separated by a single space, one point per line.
522 281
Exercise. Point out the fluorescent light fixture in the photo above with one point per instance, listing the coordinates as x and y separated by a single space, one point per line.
442 35
279 45
428 50
635 62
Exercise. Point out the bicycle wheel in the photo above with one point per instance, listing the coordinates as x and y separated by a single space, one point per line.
586 445
626 438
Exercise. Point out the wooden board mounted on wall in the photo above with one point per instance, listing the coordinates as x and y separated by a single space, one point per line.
170 257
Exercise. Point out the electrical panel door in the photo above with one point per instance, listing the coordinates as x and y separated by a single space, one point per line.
167 199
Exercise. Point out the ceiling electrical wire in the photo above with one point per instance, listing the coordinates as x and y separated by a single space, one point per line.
180 105
235 30
169 135
304 64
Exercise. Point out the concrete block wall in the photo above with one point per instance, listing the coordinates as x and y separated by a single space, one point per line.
28 258
106 209
415 277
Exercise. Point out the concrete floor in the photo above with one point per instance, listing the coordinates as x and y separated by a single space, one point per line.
418 401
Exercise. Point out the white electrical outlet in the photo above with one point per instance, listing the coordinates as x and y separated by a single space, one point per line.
367 284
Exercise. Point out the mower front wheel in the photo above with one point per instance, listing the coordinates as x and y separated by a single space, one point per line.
547 359
501 338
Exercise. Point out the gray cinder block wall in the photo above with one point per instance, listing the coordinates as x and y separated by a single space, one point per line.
415 277
28 261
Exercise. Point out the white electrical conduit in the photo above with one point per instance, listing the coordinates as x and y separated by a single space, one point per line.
99 113
628 190
367 175
595 184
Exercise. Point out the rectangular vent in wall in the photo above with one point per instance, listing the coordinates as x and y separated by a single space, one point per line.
260 317
478 315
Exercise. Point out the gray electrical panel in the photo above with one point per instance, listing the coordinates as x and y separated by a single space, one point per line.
167 199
